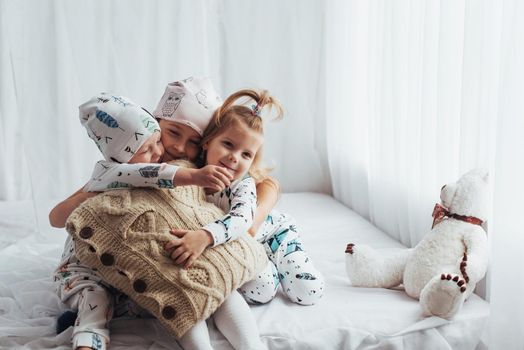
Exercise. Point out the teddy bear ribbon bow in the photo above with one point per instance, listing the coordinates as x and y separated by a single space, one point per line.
440 212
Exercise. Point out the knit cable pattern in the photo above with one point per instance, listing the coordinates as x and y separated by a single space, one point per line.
121 234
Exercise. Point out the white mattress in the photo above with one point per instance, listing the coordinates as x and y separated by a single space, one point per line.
345 318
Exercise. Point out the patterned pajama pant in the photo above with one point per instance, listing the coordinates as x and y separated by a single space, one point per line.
81 289
288 265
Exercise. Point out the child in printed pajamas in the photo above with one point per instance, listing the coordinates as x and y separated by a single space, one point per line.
117 125
233 140
181 120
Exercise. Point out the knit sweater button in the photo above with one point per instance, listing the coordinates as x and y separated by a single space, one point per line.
86 232
107 259
168 312
139 286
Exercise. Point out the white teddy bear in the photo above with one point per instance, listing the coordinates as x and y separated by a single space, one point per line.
444 267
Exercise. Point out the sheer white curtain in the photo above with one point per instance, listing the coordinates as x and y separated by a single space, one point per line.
507 239
56 54
14 183
418 92
411 94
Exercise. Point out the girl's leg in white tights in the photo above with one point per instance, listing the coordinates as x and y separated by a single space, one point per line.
197 338
235 321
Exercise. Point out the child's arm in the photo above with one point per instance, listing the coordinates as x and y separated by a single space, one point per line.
111 175
214 177
59 214
243 203
268 192
190 244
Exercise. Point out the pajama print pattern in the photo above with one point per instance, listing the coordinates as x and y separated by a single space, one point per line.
111 175
117 126
288 262
81 289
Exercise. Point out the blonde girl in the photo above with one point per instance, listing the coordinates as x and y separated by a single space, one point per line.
233 140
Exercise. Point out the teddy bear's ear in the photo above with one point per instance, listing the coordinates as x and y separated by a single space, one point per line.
447 193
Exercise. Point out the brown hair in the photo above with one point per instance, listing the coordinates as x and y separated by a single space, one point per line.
231 113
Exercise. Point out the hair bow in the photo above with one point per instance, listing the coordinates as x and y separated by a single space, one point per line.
256 110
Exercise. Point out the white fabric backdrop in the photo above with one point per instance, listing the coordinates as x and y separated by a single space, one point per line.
385 101
411 97
507 275
56 54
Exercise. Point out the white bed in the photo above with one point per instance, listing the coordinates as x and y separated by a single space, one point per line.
345 318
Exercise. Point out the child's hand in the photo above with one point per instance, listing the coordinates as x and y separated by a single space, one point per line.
253 230
188 246
213 177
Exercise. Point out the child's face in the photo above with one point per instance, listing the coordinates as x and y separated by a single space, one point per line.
151 151
180 141
234 149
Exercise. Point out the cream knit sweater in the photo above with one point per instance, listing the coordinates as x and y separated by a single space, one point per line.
122 233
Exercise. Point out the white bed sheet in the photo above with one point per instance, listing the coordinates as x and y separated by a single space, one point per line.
345 318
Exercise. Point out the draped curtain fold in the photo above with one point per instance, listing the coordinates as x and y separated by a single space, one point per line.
410 105
507 276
